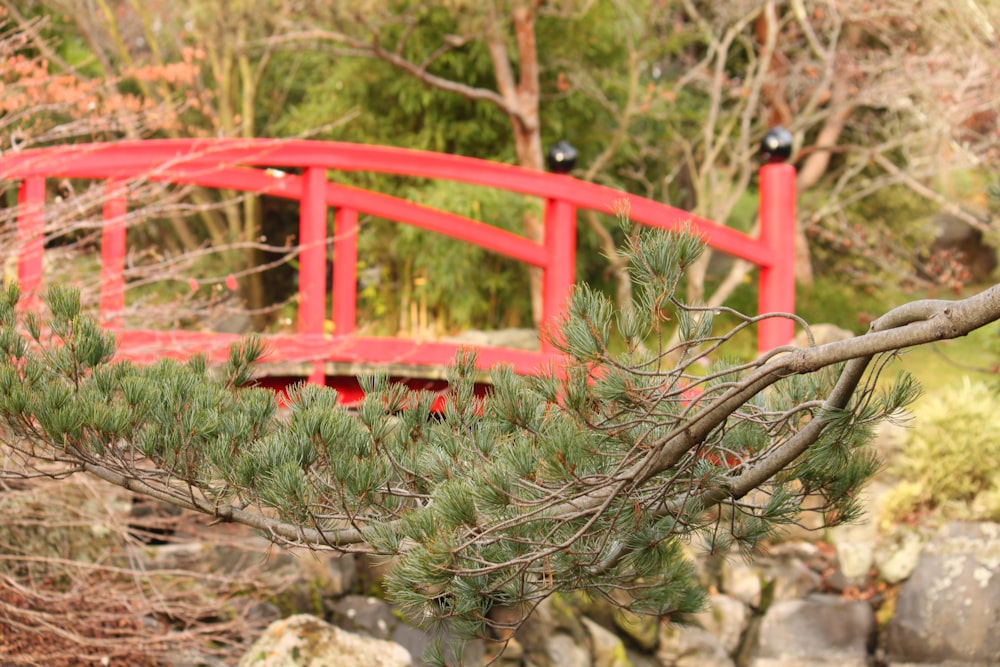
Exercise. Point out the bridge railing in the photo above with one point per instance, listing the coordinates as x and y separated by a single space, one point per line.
259 166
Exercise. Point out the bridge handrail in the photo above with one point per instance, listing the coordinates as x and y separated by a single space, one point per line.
126 159
255 165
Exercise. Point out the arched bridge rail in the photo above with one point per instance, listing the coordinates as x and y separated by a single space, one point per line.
257 165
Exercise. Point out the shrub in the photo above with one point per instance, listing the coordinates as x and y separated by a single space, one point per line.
951 462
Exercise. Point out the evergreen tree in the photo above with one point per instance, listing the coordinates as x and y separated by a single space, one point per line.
589 477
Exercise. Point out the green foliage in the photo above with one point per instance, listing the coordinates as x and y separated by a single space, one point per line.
457 284
950 464
836 301
389 107
590 477
875 241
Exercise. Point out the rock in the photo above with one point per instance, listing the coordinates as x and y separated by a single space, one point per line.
533 633
637 659
512 651
890 439
191 658
180 556
856 559
564 651
835 581
376 618
92 516
306 580
808 526
964 243
781 574
741 581
788 578
413 640
607 649
855 545
949 608
555 615
306 641
897 555
365 614
303 580
153 521
643 630
817 630
310 580
690 646
725 619
259 613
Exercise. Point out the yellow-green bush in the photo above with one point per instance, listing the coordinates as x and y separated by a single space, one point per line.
951 461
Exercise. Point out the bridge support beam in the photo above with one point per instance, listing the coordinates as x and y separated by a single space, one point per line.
345 271
30 238
560 263
312 259
113 253
777 232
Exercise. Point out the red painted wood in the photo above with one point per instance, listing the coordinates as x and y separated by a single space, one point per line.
345 270
560 270
350 393
364 201
236 164
447 224
312 258
127 159
113 236
146 346
30 237
777 279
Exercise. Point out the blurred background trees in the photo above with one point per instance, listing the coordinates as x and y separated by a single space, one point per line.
890 105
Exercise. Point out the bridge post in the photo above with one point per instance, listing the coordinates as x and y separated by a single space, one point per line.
777 232
345 270
113 253
30 237
560 264
312 260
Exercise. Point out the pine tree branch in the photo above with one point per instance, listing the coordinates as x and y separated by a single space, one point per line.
580 479
914 323
341 539
909 325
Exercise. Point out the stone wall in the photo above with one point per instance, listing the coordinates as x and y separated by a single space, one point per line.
794 607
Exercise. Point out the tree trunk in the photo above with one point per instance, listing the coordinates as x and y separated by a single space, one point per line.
521 102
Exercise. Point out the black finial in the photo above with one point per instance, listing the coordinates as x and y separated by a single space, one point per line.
776 146
561 158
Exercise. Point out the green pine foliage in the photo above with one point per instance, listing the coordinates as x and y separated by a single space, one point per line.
592 477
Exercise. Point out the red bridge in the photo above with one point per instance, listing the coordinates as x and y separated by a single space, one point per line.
256 166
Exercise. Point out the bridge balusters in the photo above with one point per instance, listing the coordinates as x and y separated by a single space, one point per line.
776 291
560 266
345 271
30 237
113 253
312 259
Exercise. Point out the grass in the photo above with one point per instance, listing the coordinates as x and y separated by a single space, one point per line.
946 362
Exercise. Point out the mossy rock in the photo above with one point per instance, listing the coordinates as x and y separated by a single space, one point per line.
642 629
